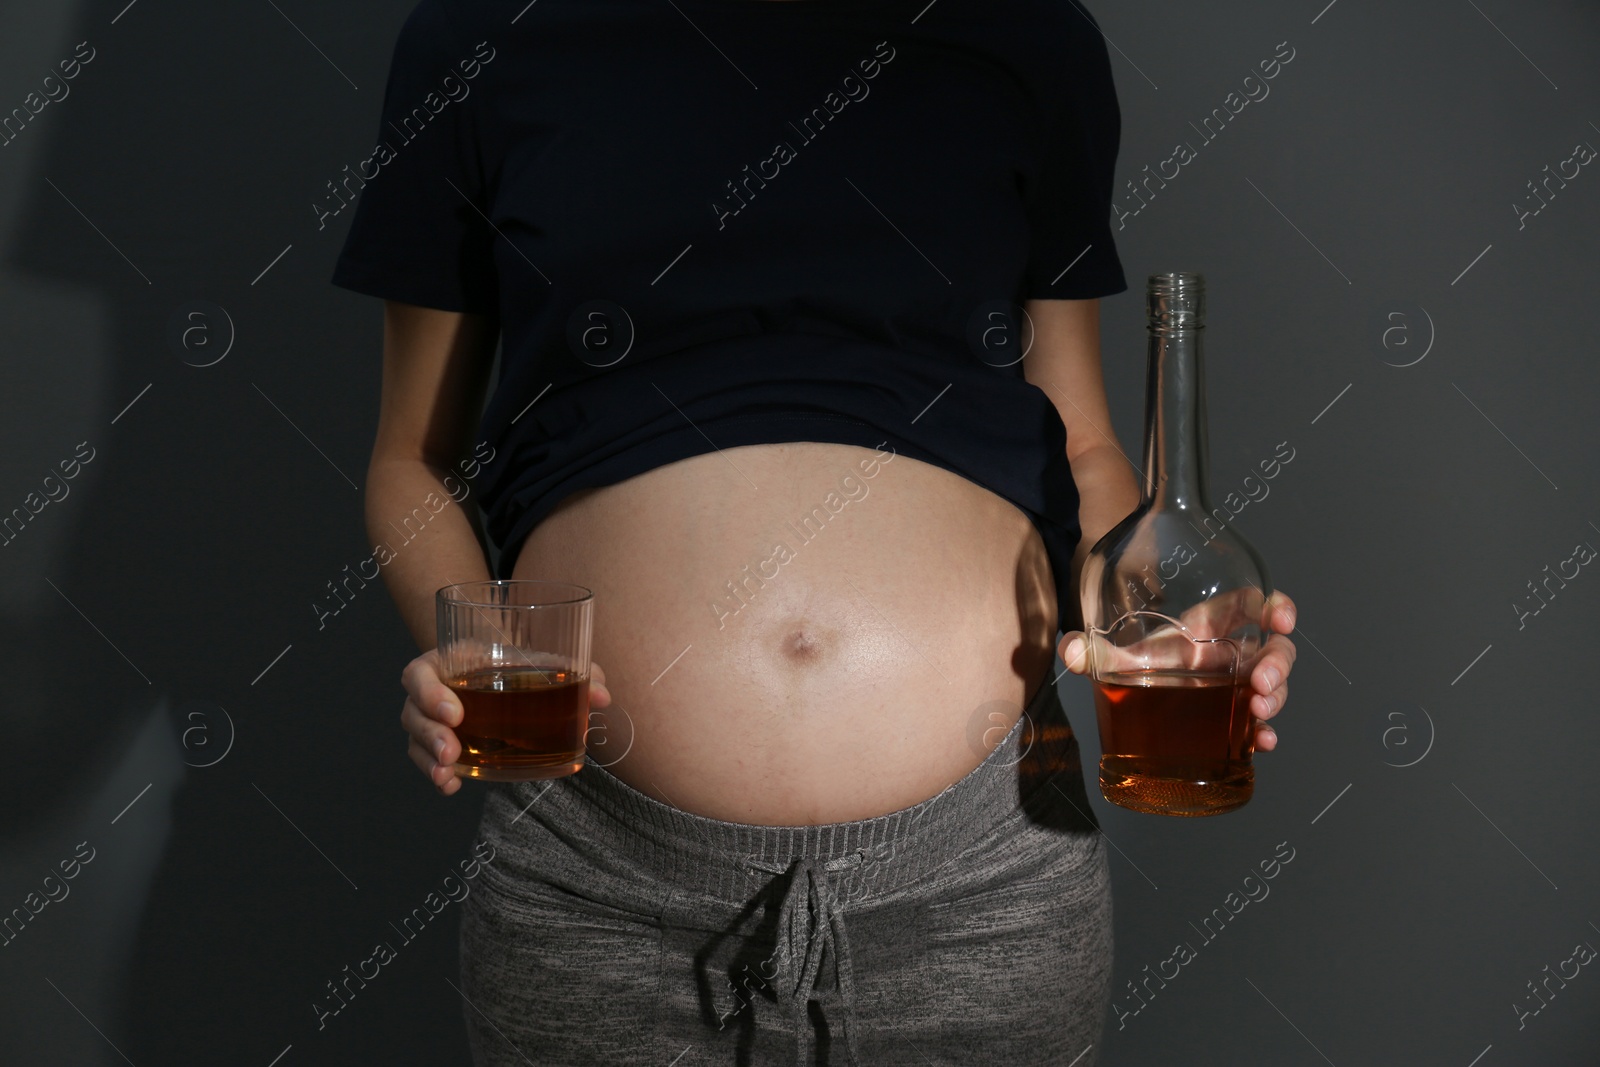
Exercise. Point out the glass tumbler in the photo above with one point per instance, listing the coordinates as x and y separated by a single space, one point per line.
517 654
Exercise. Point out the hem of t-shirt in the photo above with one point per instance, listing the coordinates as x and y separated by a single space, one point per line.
799 426
773 427
358 279
791 426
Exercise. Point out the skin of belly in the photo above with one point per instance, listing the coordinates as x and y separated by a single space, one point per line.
860 672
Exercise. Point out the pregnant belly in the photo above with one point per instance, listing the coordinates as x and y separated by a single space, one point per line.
802 632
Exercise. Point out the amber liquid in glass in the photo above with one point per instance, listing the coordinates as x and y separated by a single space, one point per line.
521 723
1192 736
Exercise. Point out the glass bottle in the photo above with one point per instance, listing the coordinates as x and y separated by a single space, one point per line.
1174 600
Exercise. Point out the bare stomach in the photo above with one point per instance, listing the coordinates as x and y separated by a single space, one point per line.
802 632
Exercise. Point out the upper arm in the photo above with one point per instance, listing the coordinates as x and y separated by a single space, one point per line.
435 370
1064 361
421 231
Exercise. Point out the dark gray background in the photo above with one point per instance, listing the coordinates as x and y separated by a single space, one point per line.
140 614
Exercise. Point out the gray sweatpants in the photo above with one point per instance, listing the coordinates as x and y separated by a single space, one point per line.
972 928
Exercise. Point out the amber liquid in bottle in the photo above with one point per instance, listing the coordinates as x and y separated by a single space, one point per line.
1174 743
521 723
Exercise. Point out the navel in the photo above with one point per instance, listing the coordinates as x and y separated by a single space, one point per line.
802 646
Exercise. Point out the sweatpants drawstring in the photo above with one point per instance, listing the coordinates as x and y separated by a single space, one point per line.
810 926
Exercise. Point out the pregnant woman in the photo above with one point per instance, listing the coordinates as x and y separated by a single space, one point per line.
762 274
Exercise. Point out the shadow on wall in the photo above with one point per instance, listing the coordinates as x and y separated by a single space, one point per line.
89 732
161 582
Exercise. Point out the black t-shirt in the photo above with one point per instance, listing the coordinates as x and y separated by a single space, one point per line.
710 223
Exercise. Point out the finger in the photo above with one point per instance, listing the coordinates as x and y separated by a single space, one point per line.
1266 737
435 738
1286 645
1074 652
415 723
1265 707
599 695
422 681
1284 651
1282 612
1270 671
1274 664
440 774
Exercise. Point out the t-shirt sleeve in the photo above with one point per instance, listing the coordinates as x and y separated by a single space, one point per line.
420 233
1072 254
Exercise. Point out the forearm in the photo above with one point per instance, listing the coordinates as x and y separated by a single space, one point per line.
1108 490
433 540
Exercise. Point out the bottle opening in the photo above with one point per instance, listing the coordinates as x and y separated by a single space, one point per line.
1176 300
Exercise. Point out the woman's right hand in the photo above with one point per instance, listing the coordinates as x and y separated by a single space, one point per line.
432 711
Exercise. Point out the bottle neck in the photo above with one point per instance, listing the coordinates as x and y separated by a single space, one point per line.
1175 421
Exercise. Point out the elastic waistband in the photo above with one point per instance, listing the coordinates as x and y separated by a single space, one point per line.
1035 770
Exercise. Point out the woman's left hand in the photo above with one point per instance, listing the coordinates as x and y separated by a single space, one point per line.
1269 679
